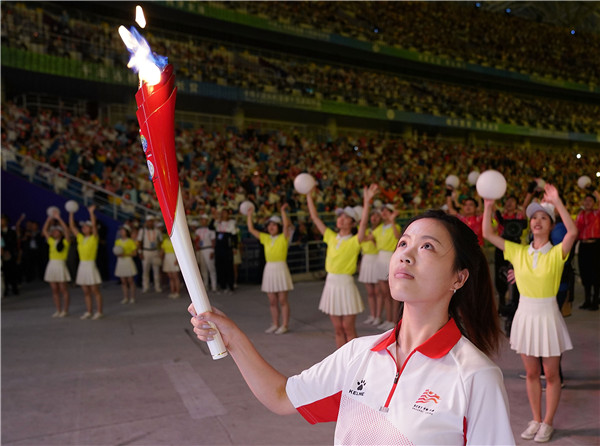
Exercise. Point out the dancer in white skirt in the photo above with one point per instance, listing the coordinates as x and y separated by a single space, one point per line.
538 328
88 275
126 249
170 267
341 299
276 281
57 273
386 237
368 271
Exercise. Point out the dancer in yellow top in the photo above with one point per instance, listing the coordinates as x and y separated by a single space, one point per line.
340 299
57 273
125 268
538 328
88 275
276 281
386 237
368 271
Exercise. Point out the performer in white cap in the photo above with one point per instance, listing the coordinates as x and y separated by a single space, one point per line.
125 268
276 281
149 240
340 299
386 237
538 328
204 242
57 273
429 381
88 275
368 271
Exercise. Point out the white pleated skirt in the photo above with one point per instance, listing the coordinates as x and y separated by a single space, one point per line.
340 296
276 278
125 267
57 271
538 328
368 269
87 273
383 264
170 264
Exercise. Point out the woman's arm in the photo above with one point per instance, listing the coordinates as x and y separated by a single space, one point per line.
551 196
368 194
251 229
287 224
267 384
91 210
486 224
72 224
312 210
46 226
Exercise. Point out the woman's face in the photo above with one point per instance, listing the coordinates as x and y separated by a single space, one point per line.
86 229
124 233
375 219
56 234
422 266
540 223
344 222
272 228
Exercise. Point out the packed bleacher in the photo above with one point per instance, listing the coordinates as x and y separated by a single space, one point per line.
219 63
222 169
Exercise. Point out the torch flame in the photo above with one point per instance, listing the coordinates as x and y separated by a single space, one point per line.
148 65
139 16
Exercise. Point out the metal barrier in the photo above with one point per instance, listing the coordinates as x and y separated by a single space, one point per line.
74 188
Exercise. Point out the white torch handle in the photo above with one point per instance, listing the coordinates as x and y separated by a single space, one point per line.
182 244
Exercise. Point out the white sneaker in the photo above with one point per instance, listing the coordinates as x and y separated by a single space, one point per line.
377 321
531 430
544 433
97 316
174 296
369 320
63 313
56 314
124 301
86 315
281 330
271 329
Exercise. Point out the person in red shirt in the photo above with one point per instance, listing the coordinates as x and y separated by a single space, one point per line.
588 225
468 214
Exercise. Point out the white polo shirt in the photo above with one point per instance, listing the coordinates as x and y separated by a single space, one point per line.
446 393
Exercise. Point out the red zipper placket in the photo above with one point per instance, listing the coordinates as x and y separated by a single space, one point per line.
386 407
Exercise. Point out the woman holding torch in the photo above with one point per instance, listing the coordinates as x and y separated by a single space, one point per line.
277 280
538 328
88 275
428 381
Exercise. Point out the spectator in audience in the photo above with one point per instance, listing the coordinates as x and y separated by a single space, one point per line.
226 239
588 225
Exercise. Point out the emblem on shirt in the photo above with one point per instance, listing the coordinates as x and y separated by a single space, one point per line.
360 385
424 404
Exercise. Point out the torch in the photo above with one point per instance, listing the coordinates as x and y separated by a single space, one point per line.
156 116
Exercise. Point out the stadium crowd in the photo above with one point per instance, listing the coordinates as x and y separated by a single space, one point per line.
223 64
227 167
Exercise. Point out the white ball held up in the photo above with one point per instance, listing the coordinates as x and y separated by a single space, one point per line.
452 181
472 178
118 250
246 206
304 183
584 181
72 206
491 185
52 210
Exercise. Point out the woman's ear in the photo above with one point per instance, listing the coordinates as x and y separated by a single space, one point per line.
461 278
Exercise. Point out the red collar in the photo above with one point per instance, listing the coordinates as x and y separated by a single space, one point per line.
435 347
